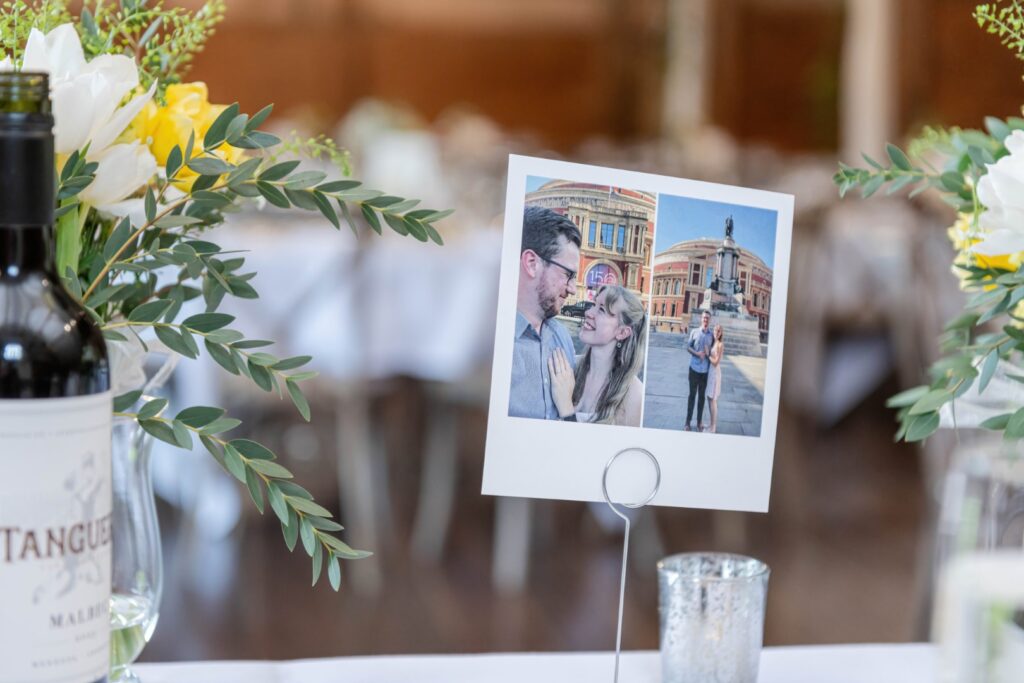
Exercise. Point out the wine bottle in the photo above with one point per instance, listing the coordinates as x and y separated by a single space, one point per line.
55 422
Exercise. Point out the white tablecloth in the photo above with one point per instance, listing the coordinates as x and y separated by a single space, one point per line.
811 664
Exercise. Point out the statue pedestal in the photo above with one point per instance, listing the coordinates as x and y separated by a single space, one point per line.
742 336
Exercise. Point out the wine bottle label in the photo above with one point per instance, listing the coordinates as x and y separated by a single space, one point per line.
55 539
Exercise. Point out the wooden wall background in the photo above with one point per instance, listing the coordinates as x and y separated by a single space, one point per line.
573 69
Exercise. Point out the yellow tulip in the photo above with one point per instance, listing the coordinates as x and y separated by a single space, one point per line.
187 111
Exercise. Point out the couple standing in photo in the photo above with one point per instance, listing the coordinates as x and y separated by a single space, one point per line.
707 349
548 380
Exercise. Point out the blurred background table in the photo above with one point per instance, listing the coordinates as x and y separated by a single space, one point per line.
821 664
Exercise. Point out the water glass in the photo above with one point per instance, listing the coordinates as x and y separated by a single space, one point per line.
711 607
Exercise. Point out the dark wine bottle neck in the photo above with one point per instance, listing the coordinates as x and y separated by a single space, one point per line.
25 249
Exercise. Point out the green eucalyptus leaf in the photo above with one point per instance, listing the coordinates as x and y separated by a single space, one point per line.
126 400
907 398
290 528
149 312
988 369
181 435
307 536
298 399
326 208
258 118
334 572
333 186
261 376
293 490
1015 425
176 221
221 356
152 408
322 524
922 426
160 430
252 449
199 416
174 161
210 166
253 482
224 424
208 322
309 507
304 180
174 341
302 199
997 422
371 217
280 508
272 194
271 469
279 170
218 129
318 562
233 461
291 363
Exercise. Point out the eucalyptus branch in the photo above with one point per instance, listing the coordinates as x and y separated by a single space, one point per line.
256 466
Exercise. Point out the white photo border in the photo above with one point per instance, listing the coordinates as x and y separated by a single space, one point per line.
550 459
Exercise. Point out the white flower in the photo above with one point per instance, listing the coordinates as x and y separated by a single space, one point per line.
122 170
87 108
1001 190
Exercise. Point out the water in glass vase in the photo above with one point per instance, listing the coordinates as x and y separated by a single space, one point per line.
132 621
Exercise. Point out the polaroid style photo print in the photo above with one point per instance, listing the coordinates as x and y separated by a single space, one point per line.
637 311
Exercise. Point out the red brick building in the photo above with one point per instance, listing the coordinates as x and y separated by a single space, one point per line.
683 272
617 226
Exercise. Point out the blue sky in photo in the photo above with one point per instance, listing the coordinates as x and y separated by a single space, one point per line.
685 218
533 182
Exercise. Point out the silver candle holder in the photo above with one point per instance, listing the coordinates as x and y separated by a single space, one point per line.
711 608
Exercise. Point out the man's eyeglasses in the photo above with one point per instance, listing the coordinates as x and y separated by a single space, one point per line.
570 275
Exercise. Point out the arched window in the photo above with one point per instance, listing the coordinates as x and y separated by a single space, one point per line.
675 287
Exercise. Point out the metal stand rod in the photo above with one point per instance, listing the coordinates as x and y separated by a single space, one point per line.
625 538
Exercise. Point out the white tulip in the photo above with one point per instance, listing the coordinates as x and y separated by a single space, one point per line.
87 101
1001 191
123 169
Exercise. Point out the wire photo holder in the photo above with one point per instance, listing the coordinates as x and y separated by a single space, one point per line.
625 538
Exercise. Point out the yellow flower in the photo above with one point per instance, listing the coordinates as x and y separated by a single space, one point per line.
188 110
964 234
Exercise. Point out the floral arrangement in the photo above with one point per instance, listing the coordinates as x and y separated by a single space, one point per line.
147 169
982 178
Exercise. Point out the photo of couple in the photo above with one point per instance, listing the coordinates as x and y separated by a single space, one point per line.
649 315
637 309
578 351
710 314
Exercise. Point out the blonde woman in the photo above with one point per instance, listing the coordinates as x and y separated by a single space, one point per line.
715 375
605 386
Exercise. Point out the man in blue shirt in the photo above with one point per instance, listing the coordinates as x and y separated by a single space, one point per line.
699 346
548 262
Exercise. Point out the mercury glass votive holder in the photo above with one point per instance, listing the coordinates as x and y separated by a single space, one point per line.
711 608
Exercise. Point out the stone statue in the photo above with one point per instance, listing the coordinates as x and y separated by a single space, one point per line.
728 228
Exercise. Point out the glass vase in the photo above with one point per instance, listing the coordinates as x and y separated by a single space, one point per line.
983 498
979 619
137 561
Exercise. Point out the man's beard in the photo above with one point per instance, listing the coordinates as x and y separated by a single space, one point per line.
549 303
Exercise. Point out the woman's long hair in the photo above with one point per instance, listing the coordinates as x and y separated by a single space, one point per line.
629 356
